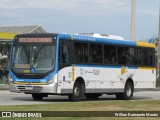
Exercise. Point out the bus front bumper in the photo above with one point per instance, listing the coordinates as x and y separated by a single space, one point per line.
50 89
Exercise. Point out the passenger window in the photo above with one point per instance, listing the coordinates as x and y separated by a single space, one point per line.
81 52
147 57
96 53
124 55
109 54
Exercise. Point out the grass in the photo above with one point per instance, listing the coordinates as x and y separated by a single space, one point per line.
1 83
115 105
132 105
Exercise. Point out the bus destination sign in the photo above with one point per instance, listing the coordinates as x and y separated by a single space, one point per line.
35 40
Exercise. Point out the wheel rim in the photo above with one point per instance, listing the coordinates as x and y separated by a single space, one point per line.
76 91
128 91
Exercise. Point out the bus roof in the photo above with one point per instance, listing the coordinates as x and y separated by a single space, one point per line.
106 40
87 38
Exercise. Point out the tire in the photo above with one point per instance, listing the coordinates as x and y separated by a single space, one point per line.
92 95
78 92
128 92
37 97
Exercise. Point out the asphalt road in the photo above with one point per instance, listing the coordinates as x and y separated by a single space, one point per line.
8 98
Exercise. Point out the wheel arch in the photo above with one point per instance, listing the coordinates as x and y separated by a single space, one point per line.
81 81
131 81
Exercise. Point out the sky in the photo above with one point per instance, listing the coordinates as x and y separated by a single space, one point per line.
111 17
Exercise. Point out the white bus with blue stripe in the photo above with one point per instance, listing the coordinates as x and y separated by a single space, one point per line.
80 66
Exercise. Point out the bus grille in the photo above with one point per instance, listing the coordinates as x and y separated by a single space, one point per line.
30 76
29 88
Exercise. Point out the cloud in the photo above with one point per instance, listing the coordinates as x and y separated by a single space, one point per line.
8 4
57 4
68 6
59 7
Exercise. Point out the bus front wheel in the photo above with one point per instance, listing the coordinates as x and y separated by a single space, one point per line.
36 96
78 92
128 92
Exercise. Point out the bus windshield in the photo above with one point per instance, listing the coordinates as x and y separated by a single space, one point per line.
33 59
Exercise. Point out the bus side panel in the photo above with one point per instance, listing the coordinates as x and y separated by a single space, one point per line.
65 83
100 79
91 75
150 77
144 79
112 82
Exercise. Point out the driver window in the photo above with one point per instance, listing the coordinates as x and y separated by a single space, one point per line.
64 53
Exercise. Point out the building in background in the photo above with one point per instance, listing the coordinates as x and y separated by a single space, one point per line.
22 29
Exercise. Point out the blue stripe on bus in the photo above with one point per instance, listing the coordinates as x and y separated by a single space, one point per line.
100 66
103 40
118 42
107 41
94 39
111 41
64 36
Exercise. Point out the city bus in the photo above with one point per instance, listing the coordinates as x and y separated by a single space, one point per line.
80 66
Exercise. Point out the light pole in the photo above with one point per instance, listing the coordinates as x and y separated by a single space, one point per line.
133 19
158 47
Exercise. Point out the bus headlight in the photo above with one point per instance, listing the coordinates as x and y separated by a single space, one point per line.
51 80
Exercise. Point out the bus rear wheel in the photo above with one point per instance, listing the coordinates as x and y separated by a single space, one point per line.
78 92
37 96
128 92
92 95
